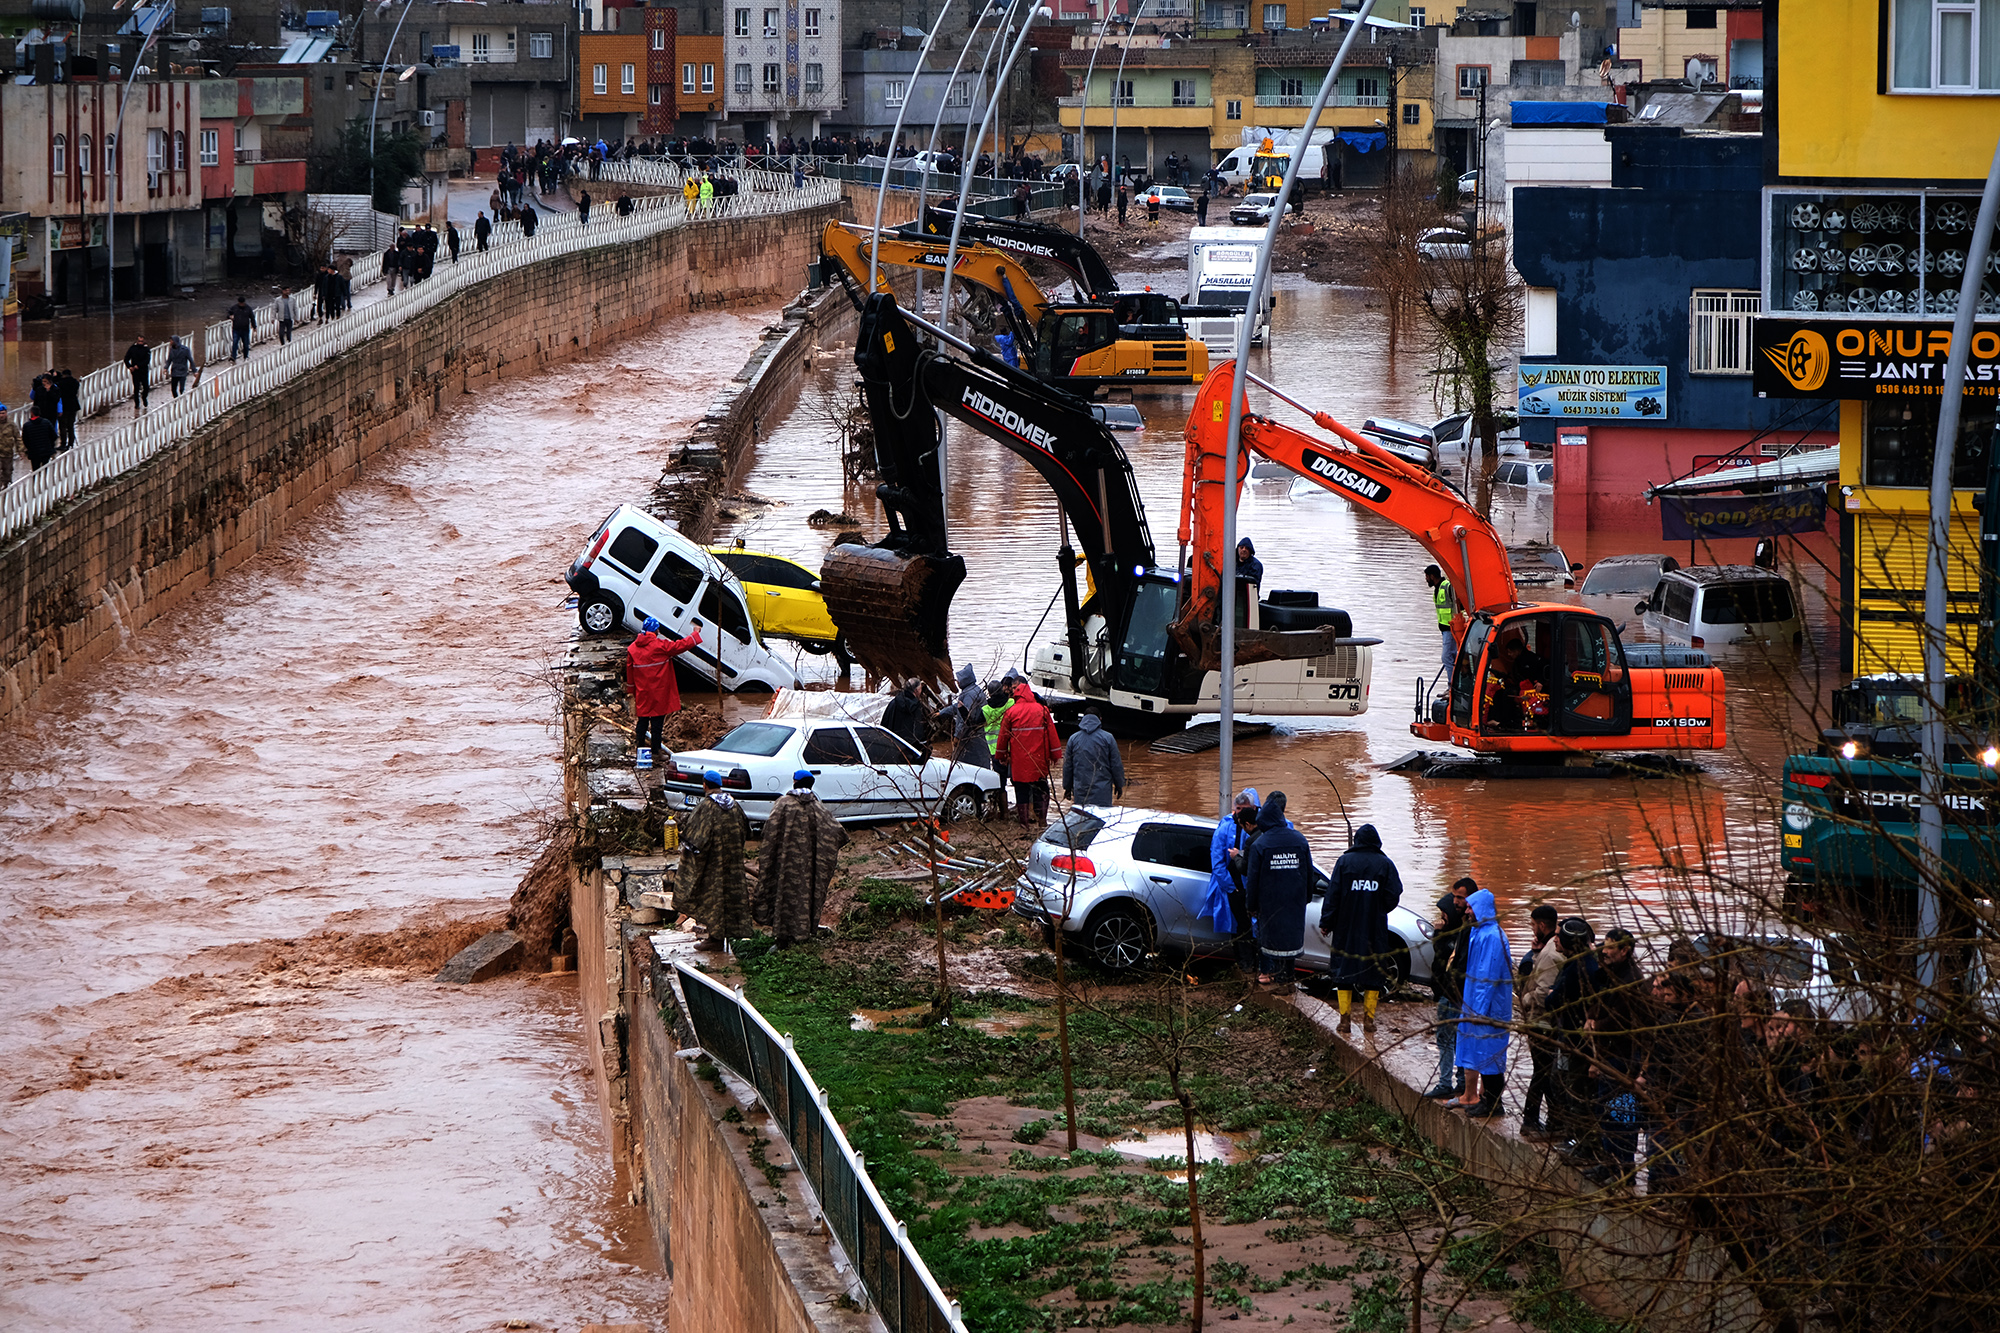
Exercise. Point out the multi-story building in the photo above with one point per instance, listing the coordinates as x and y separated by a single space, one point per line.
613 74
518 61
884 82
784 66
1880 122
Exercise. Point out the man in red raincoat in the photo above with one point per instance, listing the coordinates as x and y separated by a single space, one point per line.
1027 748
649 677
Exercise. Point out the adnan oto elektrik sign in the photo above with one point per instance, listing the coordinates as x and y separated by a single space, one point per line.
1637 393
1865 358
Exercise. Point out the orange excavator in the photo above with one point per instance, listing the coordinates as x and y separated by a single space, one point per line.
1537 689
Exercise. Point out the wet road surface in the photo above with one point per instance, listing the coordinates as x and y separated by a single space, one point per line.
207 1129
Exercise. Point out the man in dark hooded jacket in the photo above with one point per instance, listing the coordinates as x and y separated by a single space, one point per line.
905 717
1355 917
1277 886
1093 771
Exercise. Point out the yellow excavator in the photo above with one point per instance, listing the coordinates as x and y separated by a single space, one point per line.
1136 338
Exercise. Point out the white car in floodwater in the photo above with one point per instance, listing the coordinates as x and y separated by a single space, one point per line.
861 770
1140 878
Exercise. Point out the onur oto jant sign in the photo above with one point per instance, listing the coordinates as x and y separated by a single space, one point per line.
1636 393
1865 358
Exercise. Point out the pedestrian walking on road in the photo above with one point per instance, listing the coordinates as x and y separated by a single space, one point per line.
139 360
451 239
38 439
1489 1008
1027 749
180 361
1441 600
707 195
482 231
1201 209
691 192
1123 203
801 852
710 887
624 205
1277 885
1355 917
1093 770
1448 981
242 321
649 677
583 208
1225 903
528 220
288 315
69 406
392 266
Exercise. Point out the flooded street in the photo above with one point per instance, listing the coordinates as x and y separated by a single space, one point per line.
1606 845
207 1127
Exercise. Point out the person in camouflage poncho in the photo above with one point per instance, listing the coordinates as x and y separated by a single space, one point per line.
711 879
802 842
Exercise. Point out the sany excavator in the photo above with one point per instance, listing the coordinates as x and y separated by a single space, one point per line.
1079 347
891 599
1533 684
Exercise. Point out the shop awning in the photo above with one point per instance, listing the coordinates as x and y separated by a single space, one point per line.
1364 141
1813 465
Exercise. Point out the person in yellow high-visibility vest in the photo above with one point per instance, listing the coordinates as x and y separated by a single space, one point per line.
707 194
690 191
1441 599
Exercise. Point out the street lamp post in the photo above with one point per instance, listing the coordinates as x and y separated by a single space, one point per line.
376 107
114 175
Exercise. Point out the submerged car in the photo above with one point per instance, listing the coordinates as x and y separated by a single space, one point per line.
784 596
861 770
1710 604
1140 877
1170 196
1253 210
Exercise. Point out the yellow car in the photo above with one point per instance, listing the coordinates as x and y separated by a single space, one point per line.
784 596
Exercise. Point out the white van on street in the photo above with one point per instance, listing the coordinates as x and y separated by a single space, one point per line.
1703 605
635 566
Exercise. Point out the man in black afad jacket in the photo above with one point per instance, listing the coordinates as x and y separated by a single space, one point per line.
1277 886
1355 917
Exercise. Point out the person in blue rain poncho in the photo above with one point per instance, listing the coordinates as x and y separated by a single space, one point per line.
1224 902
1488 1007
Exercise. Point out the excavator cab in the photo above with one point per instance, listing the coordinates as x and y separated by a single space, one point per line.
1146 649
1538 671
1071 336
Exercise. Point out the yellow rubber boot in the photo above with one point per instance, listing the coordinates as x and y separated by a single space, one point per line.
1368 1002
1346 1001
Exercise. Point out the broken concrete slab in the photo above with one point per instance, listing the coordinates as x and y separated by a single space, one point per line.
486 957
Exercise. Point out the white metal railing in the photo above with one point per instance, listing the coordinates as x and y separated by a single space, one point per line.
71 473
1305 99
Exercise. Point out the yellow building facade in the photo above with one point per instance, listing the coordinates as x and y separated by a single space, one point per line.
1885 119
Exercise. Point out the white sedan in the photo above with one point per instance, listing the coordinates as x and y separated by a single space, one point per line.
861 771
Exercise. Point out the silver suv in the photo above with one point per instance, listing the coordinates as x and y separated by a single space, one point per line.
1126 883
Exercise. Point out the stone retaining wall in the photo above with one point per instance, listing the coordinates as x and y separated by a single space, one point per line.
118 558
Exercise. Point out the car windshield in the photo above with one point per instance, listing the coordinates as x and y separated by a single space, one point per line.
1622 576
1258 200
1073 831
1235 298
762 739
1760 603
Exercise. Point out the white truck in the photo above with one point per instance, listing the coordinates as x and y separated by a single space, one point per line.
1221 263
1257 168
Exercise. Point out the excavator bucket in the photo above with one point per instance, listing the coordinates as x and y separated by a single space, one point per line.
893 609
892 599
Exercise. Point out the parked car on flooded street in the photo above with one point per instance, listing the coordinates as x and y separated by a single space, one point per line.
1140 877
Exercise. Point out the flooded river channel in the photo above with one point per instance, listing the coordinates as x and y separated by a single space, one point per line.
206 1128
1522 839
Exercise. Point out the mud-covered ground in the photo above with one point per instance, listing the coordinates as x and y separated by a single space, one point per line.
1332 244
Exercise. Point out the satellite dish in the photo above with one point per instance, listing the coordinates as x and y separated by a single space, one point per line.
1575 19
194 43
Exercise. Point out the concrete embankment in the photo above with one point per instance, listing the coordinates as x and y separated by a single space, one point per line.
115 559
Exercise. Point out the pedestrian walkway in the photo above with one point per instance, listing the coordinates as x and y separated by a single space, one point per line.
109 444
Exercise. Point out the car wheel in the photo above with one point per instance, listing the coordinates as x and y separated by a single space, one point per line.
1116 937
601 614
963 804
817 647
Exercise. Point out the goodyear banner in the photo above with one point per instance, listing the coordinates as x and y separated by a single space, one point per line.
1865 358
1635 393
1684 518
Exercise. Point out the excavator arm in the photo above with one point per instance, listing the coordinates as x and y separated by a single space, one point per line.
891 600
1463 543
994 270
1072 254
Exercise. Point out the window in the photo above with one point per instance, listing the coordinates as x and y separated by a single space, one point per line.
959 94
1291 87
329 83
771 17
542 45
742 23
1471 78
772 71
598 79
156 152
725 610
1183 92
59 156
812 23
633 549
211 147
1233 109
656 94
1902 436
742 80
708 78
1701 18
1177 846
659 39
687 77
482 44
1719 330
885 747
815 79
894 92
830 745
1274 18
239 141
180 151
1123 94
1413 113
676 576
626 80
1946 46
1368 92
111 152
510 43
1416 16
1222 14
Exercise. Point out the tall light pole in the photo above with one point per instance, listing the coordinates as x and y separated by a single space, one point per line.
1238 391
1083 108
114 175
376 107
1117 82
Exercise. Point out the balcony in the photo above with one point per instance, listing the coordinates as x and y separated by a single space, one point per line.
1306 99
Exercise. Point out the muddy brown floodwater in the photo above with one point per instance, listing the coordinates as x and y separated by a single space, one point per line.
1612 847
206 1128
